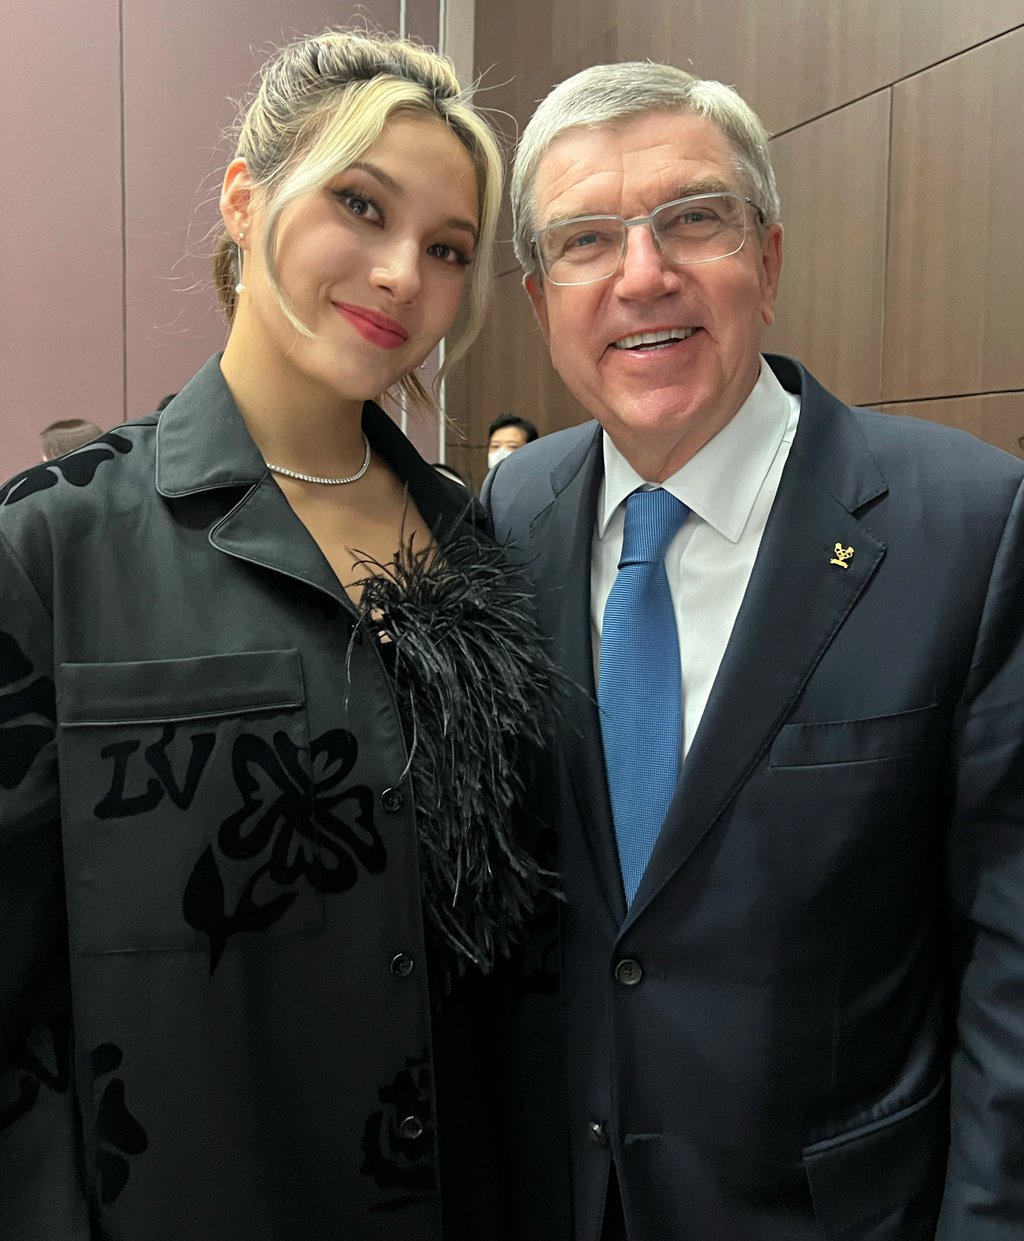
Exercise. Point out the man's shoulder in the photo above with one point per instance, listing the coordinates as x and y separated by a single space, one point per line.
528 480
898 442
907 434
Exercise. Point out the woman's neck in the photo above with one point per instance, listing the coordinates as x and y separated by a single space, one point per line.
293 421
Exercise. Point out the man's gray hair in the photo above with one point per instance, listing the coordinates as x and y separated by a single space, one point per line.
607 93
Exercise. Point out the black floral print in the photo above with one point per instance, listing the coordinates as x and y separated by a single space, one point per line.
118 1133
398 1140
293 833
36 1073
77 468
22 698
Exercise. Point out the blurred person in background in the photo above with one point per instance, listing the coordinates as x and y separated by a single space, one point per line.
506 434
67 435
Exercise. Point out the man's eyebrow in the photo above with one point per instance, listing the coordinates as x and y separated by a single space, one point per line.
389 183
689 189
704 185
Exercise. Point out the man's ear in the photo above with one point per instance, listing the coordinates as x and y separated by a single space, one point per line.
535 292
236 197
771 267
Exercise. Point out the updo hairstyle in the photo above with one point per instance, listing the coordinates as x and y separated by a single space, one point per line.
321 103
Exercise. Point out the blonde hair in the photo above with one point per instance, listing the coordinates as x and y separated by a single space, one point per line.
320 104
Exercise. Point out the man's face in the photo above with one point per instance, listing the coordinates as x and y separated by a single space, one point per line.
660 403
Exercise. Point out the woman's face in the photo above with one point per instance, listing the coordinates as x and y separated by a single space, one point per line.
374 263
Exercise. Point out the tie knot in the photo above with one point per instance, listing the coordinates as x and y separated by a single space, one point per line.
652 519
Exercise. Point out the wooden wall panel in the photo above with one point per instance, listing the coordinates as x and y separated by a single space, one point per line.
955 283
997 418
823 77
832 177
510 372
796 59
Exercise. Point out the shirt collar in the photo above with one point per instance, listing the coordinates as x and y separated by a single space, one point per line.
719 483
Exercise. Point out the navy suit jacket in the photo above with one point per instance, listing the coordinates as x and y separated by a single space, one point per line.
821 1030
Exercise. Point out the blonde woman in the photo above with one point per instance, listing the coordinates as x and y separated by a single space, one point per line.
264 693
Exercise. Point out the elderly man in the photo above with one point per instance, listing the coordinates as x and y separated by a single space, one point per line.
791 785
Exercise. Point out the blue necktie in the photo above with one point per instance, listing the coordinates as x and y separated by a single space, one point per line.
639 689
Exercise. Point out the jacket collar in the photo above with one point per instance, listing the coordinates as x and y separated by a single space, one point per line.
203 444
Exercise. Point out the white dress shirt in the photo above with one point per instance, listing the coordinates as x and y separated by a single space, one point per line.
729 486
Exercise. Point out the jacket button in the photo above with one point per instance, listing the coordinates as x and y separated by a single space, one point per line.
628 972
402 964
597 1133
411 1128
391 800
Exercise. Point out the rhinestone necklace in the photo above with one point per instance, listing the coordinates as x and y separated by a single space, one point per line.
328 482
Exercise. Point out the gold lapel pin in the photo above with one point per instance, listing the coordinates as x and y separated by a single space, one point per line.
842 557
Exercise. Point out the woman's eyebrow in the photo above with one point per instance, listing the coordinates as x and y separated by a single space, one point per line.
467 226
384 178
398 190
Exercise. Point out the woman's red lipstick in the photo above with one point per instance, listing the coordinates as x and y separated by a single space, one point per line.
378 329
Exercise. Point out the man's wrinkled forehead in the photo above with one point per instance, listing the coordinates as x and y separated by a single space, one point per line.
595 169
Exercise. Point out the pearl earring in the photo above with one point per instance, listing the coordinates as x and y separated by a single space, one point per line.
239 287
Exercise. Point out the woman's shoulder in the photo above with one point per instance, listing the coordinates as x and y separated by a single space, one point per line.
122 456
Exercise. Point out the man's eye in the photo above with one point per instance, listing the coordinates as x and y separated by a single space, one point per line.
591 239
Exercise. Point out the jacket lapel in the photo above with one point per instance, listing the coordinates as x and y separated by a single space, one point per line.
560 539
263 530
795 603
203 445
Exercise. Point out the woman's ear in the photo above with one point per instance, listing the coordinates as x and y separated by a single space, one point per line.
236 198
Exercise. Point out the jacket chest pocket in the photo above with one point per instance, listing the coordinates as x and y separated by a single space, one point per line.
186 802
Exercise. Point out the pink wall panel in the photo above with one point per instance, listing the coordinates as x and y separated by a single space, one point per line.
185 60
112 162
61 349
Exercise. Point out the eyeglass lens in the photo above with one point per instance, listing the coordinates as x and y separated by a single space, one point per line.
687 230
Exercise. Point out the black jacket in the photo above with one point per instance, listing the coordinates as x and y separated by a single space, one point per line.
217 1017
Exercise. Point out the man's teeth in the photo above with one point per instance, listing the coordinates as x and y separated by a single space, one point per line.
654 338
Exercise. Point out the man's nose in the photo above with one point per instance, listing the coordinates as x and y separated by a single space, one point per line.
644 271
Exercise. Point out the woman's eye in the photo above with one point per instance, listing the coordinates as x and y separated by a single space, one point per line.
360 205
449 254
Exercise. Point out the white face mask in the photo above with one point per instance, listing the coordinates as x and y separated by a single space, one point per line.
498 454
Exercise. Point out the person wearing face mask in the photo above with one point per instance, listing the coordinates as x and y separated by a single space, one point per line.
267 693
506 434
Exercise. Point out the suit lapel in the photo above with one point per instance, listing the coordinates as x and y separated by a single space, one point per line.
560 538
795 603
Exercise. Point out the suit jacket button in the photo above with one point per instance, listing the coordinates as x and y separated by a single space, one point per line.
411 1128
628 972
597 1133
402 964
391 800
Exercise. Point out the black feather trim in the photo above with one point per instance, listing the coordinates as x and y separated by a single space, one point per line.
477 695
